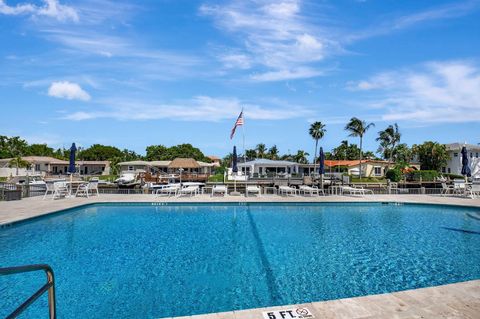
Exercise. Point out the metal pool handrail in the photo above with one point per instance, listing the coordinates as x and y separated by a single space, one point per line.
49 286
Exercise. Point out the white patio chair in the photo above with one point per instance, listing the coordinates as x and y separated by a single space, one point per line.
49 189
254 189
474 190
60 189
446 189
459 186
287 190
219 189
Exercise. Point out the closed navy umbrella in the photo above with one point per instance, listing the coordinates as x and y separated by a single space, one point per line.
465 168
234 167
234 160
71 166
321 157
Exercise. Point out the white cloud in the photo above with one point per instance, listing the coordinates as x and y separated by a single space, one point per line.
448 11
199 108
435 92
68 90
273 35
51 8
286 74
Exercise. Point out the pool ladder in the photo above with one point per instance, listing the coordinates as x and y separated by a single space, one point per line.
48 286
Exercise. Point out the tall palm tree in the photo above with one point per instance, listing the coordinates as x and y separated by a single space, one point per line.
317 131
261 150
389 139
273 152
358 128
301 157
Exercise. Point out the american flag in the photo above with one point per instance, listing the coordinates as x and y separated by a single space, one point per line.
238 122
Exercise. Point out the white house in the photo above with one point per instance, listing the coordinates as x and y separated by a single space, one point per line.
454 164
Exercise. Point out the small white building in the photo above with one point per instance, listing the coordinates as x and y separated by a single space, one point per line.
454 164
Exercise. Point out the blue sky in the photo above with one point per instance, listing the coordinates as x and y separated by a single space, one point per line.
138 73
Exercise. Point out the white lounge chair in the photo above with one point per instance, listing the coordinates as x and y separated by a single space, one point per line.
169 190
459 186
310 190
189 190
219 189
356 190
287 190
254 189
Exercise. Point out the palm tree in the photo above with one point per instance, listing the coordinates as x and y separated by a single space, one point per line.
389 139
18 162
317 131
273 152
261 150
358 128
251 154
301 157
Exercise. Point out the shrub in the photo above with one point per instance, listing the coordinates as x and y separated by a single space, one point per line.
454 176
424 175
216 178
394 175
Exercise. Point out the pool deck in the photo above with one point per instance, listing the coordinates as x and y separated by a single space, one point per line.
459 300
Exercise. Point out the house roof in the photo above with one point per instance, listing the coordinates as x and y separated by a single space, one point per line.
214 158
264 161
349 163
458 147
184 163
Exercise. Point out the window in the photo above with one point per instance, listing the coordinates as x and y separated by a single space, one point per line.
377 170
471 155
444 170
476 155
455 154
449 170
130 168
37 167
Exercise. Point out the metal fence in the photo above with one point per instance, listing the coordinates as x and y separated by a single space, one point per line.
39 190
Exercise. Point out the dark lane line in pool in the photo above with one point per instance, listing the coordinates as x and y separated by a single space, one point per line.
462 230
272 287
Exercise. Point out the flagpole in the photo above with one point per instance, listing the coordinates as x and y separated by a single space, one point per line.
244 152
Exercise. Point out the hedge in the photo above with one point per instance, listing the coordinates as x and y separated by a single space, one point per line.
424 175
394 175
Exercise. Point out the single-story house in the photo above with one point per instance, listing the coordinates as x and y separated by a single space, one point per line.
165 167
45 165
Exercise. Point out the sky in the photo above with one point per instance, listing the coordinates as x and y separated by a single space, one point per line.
139 73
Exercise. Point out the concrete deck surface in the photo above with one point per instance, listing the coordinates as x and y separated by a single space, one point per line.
460 300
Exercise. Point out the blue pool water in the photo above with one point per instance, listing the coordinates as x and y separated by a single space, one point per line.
146 261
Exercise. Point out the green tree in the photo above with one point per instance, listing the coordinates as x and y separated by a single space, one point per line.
432 155
251 154
273 153
301 157
12 147
261 150
403 154
358 128
156 153
40 150
389 139
317 131
98 152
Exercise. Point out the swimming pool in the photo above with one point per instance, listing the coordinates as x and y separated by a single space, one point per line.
150 261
